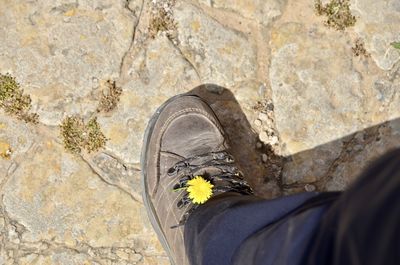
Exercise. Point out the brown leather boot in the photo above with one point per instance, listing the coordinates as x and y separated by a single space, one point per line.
184 163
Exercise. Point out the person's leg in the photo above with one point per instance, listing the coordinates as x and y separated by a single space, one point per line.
363 225
359 226
215 232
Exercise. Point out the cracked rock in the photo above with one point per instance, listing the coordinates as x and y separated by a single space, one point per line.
60 48
71 204
378 24
221 55
262 11
158 72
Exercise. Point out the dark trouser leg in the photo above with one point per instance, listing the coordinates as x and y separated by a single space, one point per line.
363 225
216 230
310 228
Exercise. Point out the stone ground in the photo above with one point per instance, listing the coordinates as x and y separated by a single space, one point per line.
320 112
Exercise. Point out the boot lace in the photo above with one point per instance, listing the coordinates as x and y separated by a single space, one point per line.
218 168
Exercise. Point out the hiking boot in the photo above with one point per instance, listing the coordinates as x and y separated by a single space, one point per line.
185 162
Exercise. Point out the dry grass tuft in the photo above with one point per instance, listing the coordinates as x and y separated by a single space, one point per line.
109 98
161 19
359 49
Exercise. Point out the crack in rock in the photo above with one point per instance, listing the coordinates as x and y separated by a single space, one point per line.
133 37
114 172
13 248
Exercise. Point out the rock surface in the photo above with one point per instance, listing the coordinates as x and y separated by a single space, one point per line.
262 11
320 96
64 47
302 112
378 23
221 55
160 72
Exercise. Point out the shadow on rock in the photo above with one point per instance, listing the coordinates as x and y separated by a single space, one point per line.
263 177
335 165
331 166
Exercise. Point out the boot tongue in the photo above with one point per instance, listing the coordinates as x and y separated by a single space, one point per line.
191 135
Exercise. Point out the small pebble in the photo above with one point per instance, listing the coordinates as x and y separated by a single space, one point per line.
267 124
257 122
95 82
274 140
309 187
264 137
259 145
264 158
263 116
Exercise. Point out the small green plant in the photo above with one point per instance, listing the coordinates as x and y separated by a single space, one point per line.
95 138
337 12
13 100
109 98
396 45
77 135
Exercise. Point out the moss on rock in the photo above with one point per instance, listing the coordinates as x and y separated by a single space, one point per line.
13 101
337 12
78 135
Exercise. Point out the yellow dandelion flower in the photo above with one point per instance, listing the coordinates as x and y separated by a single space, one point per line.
199 189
